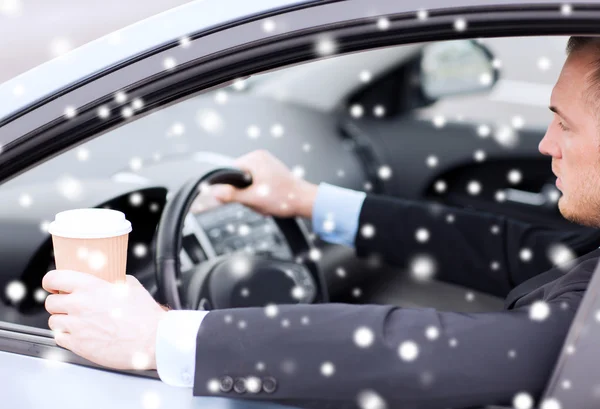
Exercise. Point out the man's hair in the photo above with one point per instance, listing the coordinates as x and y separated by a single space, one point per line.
577 44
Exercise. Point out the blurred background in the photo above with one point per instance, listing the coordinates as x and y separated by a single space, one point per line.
35 31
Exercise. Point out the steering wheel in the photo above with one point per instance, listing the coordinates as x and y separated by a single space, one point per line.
232 281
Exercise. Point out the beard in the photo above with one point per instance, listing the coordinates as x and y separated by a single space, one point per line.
584 211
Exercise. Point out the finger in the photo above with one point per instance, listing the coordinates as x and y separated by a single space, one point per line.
58 303
68 281
60 324
225 193
64 339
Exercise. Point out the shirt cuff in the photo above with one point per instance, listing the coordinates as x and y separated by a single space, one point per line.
176 347
336 213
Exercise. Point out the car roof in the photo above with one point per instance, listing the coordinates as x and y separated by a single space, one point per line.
123 44
148 34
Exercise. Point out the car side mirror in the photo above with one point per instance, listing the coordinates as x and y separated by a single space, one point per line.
458 67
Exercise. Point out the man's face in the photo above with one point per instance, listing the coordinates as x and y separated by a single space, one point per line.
573 142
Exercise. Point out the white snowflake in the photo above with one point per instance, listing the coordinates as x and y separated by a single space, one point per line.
120 97
500 196
185 42
453 343
522 400
544 63
439 121
485 79
306 147
422 15
268 26
341 173
566 384
553 195
97 260
285 323
83 154
518 122
379 111
239 84
341 272
515 176
44 226
169 63
539 311
137 104
260 366
69 187
484 131
210 121
228 319
512 354
363 337
383 23
298 292
422 235
243 230
221 97
127 112
140 360
432 161
440 186
365 76
277 131
213 386
314 254
11 8
253 132
136 199
495 229
550 403
367 231
495 265
470 297
70 112
103 112
240 267
384 172
40 295
242 324
305 320
408 351
432 333
326 46
474 187
60 46
140 250
368 186
357 292
526 254
423 268
357 111
450 218
479 155
566 9
460 24
25 200
560 254
570 349
329 225
506 136
15 291
369 399
327 369
497 63
271 310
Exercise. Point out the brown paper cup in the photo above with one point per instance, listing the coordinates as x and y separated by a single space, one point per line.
105 258
92 241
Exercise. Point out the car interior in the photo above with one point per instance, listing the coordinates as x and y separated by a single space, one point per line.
453 123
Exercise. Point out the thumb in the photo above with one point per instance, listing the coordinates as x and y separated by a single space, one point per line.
224 193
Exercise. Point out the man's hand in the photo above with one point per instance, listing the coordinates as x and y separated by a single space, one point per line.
113 325
275 189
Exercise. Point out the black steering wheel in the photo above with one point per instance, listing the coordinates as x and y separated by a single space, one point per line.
220 282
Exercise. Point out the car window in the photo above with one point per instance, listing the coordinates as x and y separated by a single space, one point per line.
346 121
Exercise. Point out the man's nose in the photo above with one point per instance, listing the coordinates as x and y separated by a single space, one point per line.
548 146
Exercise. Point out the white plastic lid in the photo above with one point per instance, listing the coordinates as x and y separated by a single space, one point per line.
89 224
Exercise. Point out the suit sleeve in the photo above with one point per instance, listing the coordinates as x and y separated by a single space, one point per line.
479 250
347 356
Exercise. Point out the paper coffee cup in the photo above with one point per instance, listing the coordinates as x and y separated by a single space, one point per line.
92 241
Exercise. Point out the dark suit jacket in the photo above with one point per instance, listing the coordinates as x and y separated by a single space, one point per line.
477 359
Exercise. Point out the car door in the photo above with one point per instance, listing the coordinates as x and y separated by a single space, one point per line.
59 115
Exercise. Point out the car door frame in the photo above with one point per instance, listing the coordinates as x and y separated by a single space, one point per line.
219 56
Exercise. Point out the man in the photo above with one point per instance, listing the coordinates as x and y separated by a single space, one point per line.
332 356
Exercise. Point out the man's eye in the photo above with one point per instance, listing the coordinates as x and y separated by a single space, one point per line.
562 126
